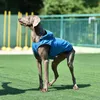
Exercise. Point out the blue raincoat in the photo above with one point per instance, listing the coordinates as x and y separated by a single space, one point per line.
57 45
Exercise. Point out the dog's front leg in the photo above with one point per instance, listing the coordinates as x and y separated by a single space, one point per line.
39 65
46 77
43 53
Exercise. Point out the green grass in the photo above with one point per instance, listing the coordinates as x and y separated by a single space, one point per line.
19 79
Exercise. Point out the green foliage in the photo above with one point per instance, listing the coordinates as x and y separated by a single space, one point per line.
71 6
50 6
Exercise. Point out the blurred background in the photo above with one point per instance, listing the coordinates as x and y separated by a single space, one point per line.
50 6
77 21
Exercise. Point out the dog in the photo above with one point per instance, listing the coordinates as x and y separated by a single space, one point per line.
45 46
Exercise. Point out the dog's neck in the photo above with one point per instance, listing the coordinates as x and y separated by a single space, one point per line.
37 32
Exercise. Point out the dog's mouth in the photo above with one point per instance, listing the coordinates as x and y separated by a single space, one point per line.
22 23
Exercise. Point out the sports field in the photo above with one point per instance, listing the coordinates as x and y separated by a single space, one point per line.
19 79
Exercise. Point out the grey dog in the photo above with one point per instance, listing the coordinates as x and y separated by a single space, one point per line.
43 51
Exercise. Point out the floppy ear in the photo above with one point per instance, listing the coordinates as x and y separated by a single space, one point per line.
34 20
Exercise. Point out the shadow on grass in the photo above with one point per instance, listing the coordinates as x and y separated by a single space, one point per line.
13 91
8 90
63 87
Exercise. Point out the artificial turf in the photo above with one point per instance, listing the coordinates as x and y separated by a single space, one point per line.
19 79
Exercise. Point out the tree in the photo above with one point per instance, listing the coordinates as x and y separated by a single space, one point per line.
3 5
21 5
31 6
50 6
71 6
91 6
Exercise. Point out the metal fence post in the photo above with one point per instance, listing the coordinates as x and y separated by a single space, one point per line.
61 26
95 32
95 28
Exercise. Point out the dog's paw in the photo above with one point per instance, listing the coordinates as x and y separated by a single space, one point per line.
44 90
75 87
49 84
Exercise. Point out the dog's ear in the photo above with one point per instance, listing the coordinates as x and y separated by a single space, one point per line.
34 20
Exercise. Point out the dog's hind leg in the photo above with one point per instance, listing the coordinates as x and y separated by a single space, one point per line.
55 63
70 59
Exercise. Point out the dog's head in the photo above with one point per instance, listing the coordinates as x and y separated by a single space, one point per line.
29 21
